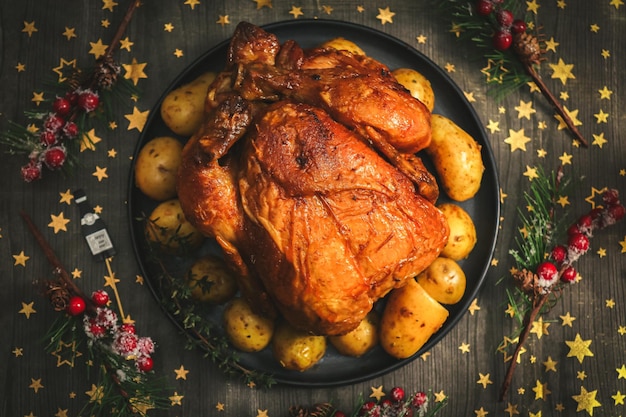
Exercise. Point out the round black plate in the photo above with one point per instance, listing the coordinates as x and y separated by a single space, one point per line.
484 208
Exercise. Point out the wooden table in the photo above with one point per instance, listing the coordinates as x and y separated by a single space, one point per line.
575 359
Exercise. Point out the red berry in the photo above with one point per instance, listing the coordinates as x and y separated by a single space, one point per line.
611 197
100 298
518 26
47 137
31 171
502 40
367 407
88 100
53 122
569 274
578 242
125 344
62 106
484 7
145 364
97 330
419 399
547 271
397 394
504 18
386 403
585 224
55 157
616 212
558 254
339 414
70 129
76 306
128 328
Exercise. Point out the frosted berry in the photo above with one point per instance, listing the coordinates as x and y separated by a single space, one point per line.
547 271
53 122
504 18
397 394
339 414
518 26
128 328
62 106
569 274
70 129
558 254
145 346
126 344
47 137
611 197
484 7
419 399
76 306
578 242
367 407
145 364
502 40
55 157
31 171
585 224
88 100
616 212
97 330
100 298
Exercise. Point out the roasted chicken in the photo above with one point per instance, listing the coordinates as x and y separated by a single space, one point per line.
304 173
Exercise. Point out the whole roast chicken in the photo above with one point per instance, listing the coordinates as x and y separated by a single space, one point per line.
304 172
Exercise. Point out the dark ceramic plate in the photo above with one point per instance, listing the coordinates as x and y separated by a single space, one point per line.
484 208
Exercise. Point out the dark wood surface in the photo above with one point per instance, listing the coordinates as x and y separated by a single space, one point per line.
465 365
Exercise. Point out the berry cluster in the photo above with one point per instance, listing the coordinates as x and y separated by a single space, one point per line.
559 265
506 26
58 127
103 327
396 404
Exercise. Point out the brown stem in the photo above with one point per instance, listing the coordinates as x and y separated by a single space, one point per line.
528 321
555 103
60 271
122 27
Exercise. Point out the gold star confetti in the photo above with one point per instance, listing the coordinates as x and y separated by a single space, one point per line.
58 223
566 158
601 252
66 197
605 93
385 15
484 380
223 20
37 98
60 69
176 399
71 353
105 23
541 153
551 45
134 71
69 33
181 373
572 115
493 126
586 400
377 392
17 352
618 398
263 3
327 9
561 4
20 259
539 327
168 27
450 67
137 119
35 384
178 53
511 409
112 153
296 12
27 309
100 173
621 330
594 28
481 412
621 372
261 413
525 109
421 39
76 273
605 54
594 192
562 71
473 307
220 406
601 117
98 49
563 201
616 3
126 44
550 364
532 6
29 27
531 173
579 348
108 5
581 375
95 394
517 140
464 348
139 279
192 3
439 396
541 390
20 67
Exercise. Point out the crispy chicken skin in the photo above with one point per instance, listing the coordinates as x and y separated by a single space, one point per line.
303 171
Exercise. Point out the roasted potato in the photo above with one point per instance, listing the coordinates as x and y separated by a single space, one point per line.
360 340
444 280
168 228
182 109
409 319
246 330
343 44
456 157
156 167
211 281
462 237
417 84
295 349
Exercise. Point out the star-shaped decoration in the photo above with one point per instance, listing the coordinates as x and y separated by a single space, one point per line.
594 28
561 4
76 273
134 71
599 140
139 279
377 392
181 373
532 6
563 201
100 173
69 33
566 159
385 15
126 44
60 70
35 384
327 9
66 356
469 95
551 45
562 71
601 252
88 141
531 173
296 12
541 390
450 67
20 67
263 3
110 280
168 27
105 23
582 375
473 308
66 197
20 259
137 119
621 330
439 396
539 327
27 309
220 406
616 3
572 115
421 39
621 372
484 380
176 399
17 352
605 53
37 98
112 153
464 348
223 20
550 364
29 27
192 3
517 140
586 400
95 394
108 5
481 412
564 95
541 153
178 53
618 398
58 223
525 109
456 29
594 193
579 348
601 117
98 49
261 413
511 410
605 93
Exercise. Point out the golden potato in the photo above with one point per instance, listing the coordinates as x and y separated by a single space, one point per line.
168 227
296 349
211 281
182 109
444 280
343 44
418 85
156 167
245 329
410 318
457 159
462 237
360 340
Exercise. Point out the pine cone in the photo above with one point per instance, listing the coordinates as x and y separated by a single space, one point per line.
58 295
525 280
106 73
527 47
318 410
298 411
